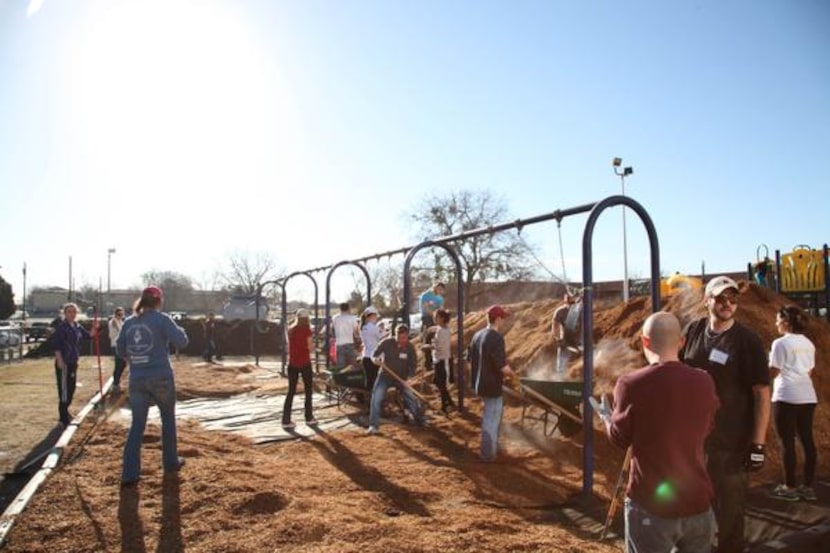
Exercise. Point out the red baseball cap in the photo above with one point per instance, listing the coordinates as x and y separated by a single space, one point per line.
497 312
153 292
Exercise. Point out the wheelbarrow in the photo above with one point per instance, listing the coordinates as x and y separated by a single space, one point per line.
559 402
349 382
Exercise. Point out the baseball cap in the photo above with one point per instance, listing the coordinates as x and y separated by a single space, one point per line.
370 311
153 292
497 311
302 313
402 328
719 285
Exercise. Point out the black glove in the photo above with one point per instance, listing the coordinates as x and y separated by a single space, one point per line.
755 461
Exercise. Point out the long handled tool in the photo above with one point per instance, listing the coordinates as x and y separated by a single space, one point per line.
406 384
615 499
97 337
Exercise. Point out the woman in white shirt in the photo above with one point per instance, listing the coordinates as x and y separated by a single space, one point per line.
442 357
792 360
370 335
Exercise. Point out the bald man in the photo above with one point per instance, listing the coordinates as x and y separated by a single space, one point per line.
664 412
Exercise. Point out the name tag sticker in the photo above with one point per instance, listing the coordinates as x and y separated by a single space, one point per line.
718 356
401 356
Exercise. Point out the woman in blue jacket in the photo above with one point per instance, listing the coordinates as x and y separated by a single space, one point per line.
67 342
144 343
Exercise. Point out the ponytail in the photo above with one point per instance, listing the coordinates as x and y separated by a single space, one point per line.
795 318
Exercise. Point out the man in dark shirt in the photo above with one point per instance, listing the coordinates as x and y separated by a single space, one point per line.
566 328
398 355
488 361
210 339
733 355
664 413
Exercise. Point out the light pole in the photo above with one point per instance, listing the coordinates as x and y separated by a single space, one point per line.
617 162
110 251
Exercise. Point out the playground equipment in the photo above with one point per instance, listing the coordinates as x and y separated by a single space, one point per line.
763 271
594 210
803 276
677 284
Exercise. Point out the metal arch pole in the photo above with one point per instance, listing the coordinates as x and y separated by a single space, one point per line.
284 319
255 342
588 318
259 290
826 284
407 290
777 271
333 268
316 320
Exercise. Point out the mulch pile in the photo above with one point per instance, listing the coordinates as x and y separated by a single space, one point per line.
408 490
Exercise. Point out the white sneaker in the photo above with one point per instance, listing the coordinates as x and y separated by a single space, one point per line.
373 431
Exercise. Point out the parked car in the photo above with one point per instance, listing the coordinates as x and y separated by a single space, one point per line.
244 307
38 330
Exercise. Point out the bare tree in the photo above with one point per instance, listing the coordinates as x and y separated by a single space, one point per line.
177 287
7 307
387 286
247 270
495 256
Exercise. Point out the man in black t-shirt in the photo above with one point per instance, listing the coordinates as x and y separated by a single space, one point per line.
488 361
735 358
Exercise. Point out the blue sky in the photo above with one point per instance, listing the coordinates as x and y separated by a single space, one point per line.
179 131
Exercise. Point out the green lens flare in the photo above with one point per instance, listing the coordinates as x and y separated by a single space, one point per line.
665 492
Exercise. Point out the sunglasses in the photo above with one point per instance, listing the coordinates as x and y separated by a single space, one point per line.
727 298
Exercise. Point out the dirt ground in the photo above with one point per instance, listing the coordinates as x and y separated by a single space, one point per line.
409 489
29 403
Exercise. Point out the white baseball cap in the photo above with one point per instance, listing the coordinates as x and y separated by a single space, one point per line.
302 313
370 311
719 285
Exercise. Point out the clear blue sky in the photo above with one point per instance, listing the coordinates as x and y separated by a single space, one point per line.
179 131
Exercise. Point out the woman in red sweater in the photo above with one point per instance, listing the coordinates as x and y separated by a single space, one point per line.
299 364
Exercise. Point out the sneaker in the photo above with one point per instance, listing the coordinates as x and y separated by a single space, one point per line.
806 493
311 422
288 425
781 491
373 431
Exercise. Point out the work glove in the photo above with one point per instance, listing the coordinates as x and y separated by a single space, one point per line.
602 409
755 461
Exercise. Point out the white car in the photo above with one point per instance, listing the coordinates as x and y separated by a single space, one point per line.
9 337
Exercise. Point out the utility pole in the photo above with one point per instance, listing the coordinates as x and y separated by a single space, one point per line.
110 251
627 171
69 289
23 324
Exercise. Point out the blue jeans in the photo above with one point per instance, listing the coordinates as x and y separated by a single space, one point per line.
346 356
143 391
646 533
490 423
382 383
